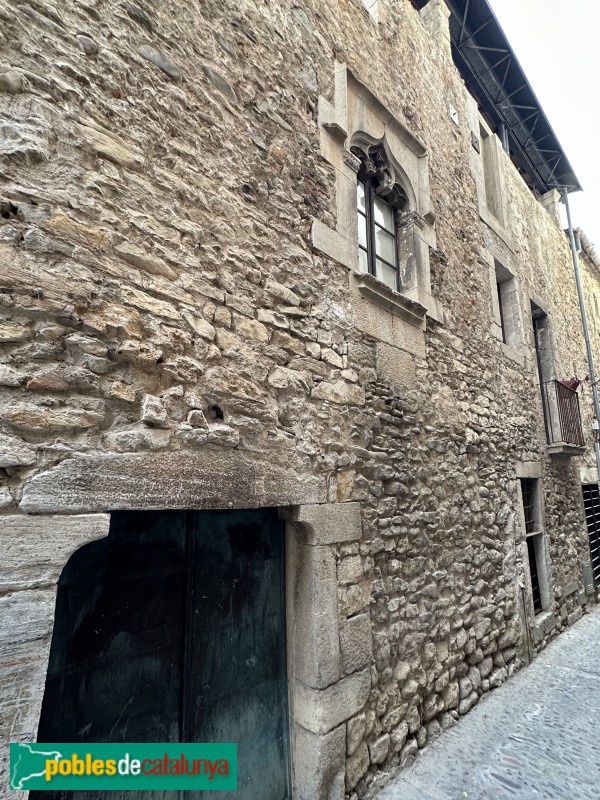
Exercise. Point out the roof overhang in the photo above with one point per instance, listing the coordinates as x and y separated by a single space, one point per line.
494 76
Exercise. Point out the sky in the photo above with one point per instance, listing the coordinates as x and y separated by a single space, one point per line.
557 43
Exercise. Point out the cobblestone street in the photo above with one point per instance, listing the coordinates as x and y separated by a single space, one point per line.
537 736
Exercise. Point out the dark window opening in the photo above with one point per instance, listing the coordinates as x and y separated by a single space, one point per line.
500 308
528 490
543 356
533 571
534 538
591 503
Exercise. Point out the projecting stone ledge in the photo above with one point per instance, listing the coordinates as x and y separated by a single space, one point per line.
209 479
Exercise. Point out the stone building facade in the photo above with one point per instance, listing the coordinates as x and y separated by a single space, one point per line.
184 326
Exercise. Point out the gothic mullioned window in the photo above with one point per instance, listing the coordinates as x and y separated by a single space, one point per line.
379 201
385 236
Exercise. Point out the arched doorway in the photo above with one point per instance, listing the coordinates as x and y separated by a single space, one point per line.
173 629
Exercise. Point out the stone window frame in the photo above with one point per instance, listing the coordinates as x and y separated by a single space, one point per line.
507 325
499 262
544 361
66 508
544 371
488 164
538 309
356 119
491 148
545 619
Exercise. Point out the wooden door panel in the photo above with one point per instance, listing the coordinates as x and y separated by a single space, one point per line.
173 629
237 690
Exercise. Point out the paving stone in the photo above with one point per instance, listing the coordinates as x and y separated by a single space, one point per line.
534 737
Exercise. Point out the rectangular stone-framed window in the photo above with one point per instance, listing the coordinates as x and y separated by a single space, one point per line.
490 147
543 343
535 556
544 358
505 302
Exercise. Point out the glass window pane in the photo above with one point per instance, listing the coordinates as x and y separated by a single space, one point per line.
386 274
363 263
360 196
362 230
385 245
384 214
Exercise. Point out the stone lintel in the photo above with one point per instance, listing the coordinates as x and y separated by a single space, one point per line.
327 523
528 469
212 478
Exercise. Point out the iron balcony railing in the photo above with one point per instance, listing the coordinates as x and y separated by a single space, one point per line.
561 414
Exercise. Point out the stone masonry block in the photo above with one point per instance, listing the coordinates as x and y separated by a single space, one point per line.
350 570
319 763
322 710
316 658
395 366
332 243
328 523
356 766
356 643
35 549
25 636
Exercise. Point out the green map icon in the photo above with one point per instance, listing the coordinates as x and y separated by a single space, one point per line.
27 762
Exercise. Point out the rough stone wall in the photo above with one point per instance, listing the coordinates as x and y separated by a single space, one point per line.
590 279
159 173
541 258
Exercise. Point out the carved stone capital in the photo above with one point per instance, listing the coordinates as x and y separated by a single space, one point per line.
410 220
375 166
351 160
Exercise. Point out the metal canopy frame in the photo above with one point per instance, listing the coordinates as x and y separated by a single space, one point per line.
494 76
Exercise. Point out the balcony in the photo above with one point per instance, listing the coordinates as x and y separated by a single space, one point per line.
562 418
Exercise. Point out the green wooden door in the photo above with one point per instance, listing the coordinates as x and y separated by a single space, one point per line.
173 629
